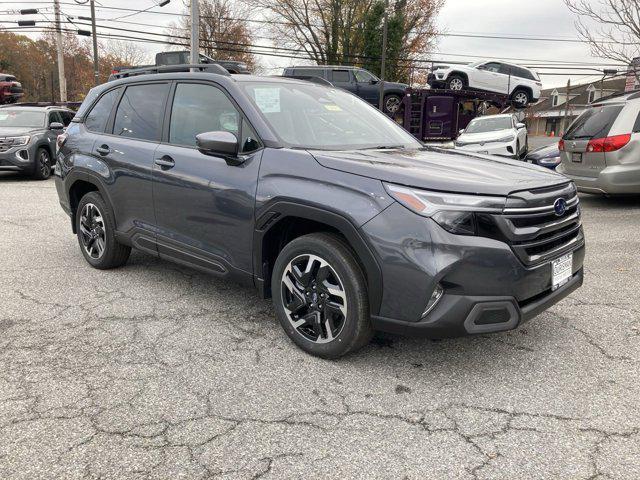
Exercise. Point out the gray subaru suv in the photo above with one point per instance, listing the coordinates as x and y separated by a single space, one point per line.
601 150
321 202
28 138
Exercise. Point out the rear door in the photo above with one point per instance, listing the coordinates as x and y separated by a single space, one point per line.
343 78
133 134
594 123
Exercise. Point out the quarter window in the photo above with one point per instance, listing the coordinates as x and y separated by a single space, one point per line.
97 118
140 112
200 108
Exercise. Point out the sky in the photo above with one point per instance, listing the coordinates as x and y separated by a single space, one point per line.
539 18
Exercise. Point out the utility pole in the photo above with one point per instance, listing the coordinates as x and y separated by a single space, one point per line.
61 78
383 57
566 108
195 33
96 73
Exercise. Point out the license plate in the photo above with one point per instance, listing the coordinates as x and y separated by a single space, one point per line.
576 157
561 270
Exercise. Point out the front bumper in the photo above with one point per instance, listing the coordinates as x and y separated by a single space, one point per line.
17 159
486 287
613 180
503 149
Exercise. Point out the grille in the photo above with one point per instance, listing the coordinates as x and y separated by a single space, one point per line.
5 144
534 231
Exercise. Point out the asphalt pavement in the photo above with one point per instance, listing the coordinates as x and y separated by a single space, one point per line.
156 371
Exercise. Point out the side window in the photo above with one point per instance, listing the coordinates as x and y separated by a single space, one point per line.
309 72
200 108
99 115
54 117
362 76
140 112
341 76
66 117
492 67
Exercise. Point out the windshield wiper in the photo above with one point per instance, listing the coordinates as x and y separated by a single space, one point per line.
383 147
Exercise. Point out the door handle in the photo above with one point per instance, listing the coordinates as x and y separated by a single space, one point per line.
165 162
103 150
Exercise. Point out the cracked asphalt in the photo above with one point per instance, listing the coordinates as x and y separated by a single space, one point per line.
156 371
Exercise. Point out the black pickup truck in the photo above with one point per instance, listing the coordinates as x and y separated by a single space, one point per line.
181 58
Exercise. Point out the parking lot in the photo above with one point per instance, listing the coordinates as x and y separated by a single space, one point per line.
157 371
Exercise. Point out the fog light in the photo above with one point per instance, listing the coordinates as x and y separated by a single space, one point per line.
22 155
433 301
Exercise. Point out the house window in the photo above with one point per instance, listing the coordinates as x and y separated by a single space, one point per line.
554 100
591 97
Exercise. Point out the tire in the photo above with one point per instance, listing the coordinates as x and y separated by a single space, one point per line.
517 154
95 225
42 165
335 283
392 104
520 98
456 82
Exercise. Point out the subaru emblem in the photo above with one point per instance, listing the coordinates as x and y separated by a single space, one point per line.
560 206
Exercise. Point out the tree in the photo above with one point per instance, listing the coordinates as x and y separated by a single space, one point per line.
349 31
223 32
617 35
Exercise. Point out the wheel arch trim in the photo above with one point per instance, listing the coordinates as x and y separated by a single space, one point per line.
88 177
276 211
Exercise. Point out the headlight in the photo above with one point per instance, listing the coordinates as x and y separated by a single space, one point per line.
510 138
455 213
549 160
19 141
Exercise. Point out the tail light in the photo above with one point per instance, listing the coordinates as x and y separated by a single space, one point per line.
561 145
113 72
608 144
60 140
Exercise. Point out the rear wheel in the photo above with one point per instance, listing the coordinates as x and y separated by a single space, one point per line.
42 166
320 296
95 225
520 98
392 104
456 82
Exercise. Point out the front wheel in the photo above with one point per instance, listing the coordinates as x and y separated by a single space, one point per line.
96 226
520 98
456 82
320 296
42 166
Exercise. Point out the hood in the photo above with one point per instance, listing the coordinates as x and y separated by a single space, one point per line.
15 131
485 136
444 170
543 152
401 86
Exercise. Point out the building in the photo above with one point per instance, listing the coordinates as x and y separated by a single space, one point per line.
547 115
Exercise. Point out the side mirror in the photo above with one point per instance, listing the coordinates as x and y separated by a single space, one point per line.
520 125
373 81
481 67
219 143
461 131
56 126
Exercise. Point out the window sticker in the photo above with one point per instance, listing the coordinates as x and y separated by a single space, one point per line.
268 99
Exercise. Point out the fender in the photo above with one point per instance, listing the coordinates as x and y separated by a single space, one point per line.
277 210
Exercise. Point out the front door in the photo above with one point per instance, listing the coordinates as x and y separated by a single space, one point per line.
343 78
491 78
204 204
368 87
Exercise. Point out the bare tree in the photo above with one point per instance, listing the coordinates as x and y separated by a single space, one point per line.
129 53
611 27
223 31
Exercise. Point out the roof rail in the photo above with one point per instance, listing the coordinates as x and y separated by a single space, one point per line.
186 67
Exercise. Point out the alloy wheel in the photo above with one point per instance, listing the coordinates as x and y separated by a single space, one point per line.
521 98
314 298
44 164
456 84
392 104
92 231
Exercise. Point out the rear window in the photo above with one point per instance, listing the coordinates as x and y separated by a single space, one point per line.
594 123
309 72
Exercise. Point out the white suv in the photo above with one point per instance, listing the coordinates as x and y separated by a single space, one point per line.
495 135
522 84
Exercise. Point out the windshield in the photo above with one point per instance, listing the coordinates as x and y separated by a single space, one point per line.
316 117
482 125
21 118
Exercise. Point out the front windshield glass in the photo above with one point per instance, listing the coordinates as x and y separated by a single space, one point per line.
483 125
316 117
14 117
